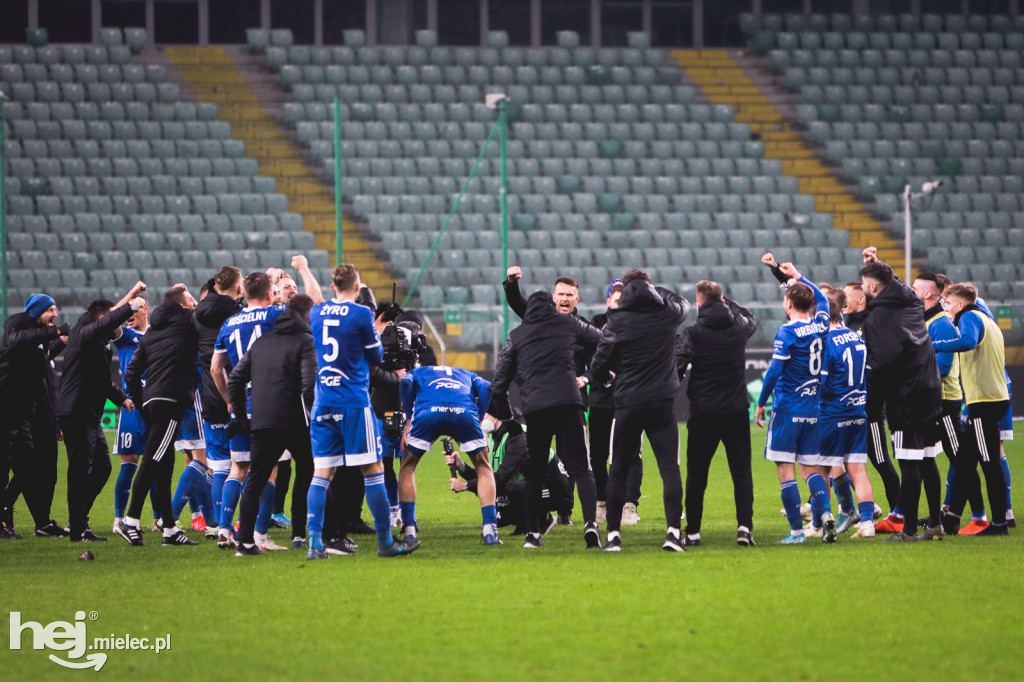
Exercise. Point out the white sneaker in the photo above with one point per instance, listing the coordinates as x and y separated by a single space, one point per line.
117 520
811 532
602 512
264 542
877 514
409 531
629 515
805 511
865 529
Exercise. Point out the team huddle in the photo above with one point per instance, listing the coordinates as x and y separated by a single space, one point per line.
254 379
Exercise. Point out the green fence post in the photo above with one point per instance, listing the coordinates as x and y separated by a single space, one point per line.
503 125
338 197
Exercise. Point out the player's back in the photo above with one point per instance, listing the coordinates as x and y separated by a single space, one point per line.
444 387
346 343
242 329
799 343
126 345
844 373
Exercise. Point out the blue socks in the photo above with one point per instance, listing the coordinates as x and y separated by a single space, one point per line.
229 500
1006 475
266 508
791 501
217 493
820 502
316 498
867 511
377 501
191 477
490 514
950 481
408 514
123 487
844 493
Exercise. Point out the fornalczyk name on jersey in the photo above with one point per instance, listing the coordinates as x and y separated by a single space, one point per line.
847 337
810 328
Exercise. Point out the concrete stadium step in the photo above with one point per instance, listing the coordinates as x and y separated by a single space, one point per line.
215 74
723 80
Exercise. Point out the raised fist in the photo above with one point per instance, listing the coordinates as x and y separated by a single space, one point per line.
514 273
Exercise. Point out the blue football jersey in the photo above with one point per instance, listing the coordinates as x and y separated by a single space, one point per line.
241 330
347 344
796 361
445 389
844 374
126 345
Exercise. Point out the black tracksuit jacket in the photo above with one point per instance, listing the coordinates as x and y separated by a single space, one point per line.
28 383
86 381
211 314
167 356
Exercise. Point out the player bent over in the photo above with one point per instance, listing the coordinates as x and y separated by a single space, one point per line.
793 436
343 428
445 401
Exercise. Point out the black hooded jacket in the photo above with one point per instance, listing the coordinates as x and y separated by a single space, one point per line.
600 396
715 350
86 381
904 374
167 356
855 321
211 314
516 301
28 383
281 367
638 345
540 356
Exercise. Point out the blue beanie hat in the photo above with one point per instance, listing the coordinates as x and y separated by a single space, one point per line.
37 304
612 286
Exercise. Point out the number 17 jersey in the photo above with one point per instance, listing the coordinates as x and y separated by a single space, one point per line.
843 373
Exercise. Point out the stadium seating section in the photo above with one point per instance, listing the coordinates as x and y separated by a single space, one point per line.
111 176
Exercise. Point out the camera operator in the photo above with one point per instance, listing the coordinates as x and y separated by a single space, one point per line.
405 348
84 388
508 453
28 420
637 349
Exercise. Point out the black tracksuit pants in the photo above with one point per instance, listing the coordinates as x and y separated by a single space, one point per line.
344 503
952 433
600 425
284 478
88 467
267 446
658 420
564 423
157 462
703 436
878 455
981 444
30 454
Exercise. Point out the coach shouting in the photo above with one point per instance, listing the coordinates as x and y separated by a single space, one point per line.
715 350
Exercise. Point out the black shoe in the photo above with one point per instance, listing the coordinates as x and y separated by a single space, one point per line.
549 523
564 520
360 527
339 546
932 532
591 536
690 542
299 543
950 523
532 541
613 545
744 538
993 530
179 538
88 536
672 543
133 534
9 534
1011 522
902 537
51 530
252 550
407 546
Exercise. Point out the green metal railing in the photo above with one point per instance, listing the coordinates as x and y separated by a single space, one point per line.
338 198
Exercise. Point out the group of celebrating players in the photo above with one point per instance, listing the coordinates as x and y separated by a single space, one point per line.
254 374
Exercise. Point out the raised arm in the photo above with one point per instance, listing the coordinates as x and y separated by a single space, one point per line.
106 325
139 287
513 294
309 283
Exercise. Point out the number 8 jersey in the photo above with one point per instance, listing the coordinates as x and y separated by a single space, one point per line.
796 361
347 344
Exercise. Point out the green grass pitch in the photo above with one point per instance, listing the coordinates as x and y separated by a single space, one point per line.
857 610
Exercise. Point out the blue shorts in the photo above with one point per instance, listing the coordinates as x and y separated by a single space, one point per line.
429 426
793 438
190 431
344 436
131 433
240 447
843 439
218 452
390 446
